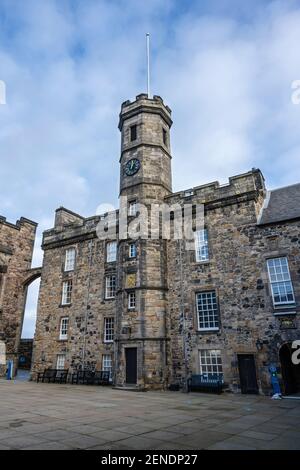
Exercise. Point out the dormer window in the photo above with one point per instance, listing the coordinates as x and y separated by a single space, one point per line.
133 133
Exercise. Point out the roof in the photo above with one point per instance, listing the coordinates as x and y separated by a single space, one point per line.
280 205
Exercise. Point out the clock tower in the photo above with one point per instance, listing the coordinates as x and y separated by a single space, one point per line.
145 179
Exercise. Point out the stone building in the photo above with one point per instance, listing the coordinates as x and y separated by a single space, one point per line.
16 248
153 311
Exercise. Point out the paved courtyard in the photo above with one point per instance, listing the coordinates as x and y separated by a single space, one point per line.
48 416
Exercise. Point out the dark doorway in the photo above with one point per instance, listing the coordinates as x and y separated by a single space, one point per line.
247 373
290 371
131 365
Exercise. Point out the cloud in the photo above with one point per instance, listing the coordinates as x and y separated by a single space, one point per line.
225 69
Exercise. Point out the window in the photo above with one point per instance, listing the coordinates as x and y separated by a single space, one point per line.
70 259
210 362
201 245
111 252
60 362
280 279
108 330
207 309
133 133
107 364
132 208
164 133
63 331
110 287
131 300
132 250
67 292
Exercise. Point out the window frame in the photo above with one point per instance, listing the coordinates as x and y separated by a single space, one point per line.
131 256
201 244
208 363
112 287
111 255
66 297
131 295
131 204
133 133
63 336
70 261
216 310
109 330
278 282
58 357
106 367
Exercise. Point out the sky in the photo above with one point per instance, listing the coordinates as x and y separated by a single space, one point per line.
224 67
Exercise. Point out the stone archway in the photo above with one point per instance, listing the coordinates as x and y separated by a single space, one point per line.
290 371
30 276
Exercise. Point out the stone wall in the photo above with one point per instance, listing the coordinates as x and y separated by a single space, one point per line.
16 247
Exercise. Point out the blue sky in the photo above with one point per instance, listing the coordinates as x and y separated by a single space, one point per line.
224 67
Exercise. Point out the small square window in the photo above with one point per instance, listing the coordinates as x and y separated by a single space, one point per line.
131 301
132 208
110 287
60 361
111 252
132 250
133 133
64 325
67 292
108 330
70 259
164 133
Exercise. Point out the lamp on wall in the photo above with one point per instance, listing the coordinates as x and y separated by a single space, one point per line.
259 344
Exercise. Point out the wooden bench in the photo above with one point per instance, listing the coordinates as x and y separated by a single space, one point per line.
53 375
206 383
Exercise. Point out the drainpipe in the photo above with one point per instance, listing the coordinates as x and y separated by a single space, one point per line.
185 388
87 304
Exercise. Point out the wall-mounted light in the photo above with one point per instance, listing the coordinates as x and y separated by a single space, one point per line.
259 344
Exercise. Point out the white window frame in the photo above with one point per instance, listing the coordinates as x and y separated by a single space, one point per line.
201 245
131 300
132 250
67 288
107 364
63 328
210 359
279 275
133 207
110 286
209 311
109 329
111 251
70 258
60 361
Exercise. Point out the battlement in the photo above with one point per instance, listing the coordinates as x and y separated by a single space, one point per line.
252 181
143 104
71 226
19 223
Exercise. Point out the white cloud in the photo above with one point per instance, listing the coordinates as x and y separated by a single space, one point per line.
225 70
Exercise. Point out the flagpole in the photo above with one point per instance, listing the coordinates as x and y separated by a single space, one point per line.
148 64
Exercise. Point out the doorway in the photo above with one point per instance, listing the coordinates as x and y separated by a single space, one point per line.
247 373
131 365
290 371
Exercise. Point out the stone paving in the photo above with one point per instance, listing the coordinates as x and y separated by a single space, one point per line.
48 416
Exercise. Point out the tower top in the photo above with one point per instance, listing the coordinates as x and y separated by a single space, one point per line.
143 104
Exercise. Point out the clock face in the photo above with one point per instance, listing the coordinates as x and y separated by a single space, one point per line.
132 167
